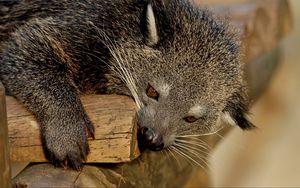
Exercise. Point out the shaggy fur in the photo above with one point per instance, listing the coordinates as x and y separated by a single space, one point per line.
66 48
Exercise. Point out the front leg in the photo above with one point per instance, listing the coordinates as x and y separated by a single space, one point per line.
34 69
65 127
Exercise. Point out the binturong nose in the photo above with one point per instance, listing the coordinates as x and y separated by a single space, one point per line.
148 139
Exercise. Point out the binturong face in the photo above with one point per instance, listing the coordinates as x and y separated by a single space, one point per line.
186 83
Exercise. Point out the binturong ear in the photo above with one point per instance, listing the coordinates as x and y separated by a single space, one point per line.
235 112
149 27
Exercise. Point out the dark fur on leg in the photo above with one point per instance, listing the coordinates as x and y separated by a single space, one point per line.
35 71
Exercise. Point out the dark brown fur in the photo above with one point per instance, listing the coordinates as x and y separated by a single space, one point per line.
62 49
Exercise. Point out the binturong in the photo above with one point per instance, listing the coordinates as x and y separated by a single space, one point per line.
178 62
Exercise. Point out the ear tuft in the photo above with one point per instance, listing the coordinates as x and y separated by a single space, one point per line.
152 34
239 119
235 112
226 117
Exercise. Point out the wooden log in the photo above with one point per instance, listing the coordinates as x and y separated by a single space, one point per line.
4 149
115 131
151 169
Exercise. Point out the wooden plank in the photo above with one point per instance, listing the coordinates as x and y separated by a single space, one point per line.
45 175
4 149
113 117
151 169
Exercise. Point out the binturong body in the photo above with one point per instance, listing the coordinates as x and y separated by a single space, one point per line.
178 62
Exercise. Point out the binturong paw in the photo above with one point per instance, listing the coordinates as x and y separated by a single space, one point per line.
65 142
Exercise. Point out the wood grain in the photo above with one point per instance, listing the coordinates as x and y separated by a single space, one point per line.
113 117
4 149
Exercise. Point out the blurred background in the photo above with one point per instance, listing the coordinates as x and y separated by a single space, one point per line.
270 155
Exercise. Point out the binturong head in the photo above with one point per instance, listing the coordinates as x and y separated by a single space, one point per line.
185 77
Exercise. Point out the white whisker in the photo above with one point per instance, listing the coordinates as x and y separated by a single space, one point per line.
193 147
128 78
188 157
197 140
222 137
180 154
204 134
195 153
165 153
171 152
121 66
204 146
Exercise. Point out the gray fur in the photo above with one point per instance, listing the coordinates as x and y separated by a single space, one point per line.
105 46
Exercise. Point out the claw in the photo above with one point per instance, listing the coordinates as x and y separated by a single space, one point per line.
78 168
72 153
64 164
89 132
91 135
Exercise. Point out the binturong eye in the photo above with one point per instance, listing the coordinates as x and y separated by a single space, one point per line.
152 93
190 119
